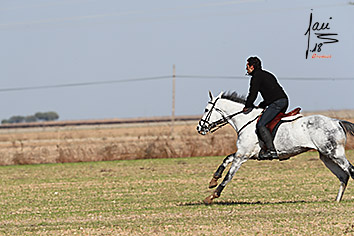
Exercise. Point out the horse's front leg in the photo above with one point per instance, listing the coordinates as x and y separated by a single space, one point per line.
236 164
218 173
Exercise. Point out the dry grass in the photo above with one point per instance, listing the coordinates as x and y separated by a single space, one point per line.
96 143
114 142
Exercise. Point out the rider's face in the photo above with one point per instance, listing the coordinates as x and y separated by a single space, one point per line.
249 68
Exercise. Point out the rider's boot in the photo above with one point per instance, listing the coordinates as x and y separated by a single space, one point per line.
266 137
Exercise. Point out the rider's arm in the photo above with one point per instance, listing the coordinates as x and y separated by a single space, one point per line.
262 105
253 92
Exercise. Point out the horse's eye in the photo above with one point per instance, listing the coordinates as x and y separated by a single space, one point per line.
206 110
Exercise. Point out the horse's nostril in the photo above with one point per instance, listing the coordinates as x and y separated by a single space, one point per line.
202 130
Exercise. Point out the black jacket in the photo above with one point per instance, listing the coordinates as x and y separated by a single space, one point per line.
264 82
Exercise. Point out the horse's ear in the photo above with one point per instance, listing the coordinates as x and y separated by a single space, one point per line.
211 95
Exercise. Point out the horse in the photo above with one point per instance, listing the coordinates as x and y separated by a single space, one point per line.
316 132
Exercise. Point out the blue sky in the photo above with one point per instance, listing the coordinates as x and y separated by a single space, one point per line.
45 43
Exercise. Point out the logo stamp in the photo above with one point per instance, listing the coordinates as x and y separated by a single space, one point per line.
323 36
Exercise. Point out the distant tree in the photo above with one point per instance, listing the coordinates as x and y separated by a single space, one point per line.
39 116
47 116
16 119
52 115
5 121
30 118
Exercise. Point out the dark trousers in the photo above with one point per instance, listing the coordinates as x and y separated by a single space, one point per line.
268 115
280 105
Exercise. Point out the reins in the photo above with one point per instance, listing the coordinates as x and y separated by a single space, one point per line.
249 122
224 120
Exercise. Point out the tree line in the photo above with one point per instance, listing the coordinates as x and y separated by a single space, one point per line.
39 116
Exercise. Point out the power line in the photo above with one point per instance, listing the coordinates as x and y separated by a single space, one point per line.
247 78
210 77
165 10
84 83
165 77
44 5
122 13
316 79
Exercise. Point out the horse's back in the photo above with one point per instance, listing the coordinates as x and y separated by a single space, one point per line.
309 132
325 132
322 124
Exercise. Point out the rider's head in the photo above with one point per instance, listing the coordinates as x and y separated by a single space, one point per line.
253 63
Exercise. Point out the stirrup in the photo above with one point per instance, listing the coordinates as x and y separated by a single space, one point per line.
267 155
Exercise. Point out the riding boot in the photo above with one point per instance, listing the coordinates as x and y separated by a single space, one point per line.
266 137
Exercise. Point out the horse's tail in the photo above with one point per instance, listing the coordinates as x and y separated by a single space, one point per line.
347 127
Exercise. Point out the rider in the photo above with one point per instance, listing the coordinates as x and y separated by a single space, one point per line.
274 101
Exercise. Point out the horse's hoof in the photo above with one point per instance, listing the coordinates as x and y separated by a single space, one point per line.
208 200
284 158
213 183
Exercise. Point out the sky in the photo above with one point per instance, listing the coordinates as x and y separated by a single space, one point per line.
102 59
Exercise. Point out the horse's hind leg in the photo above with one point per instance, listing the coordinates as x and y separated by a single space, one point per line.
337 166
217 175
341 190
351 170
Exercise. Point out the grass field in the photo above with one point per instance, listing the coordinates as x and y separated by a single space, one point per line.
164 197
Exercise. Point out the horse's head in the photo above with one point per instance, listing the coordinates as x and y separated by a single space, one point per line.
212 116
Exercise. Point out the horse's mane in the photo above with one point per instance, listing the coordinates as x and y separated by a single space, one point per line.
233 96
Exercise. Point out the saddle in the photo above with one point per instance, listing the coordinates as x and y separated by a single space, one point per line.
275 123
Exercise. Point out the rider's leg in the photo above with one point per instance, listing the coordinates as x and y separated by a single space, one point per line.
262 131
267 138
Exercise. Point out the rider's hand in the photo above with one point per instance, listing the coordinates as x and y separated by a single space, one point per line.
245 109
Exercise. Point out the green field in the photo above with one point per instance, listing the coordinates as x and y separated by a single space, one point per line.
164 197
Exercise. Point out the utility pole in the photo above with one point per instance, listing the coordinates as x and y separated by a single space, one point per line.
173 99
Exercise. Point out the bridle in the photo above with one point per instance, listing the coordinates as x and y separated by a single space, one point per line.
214 126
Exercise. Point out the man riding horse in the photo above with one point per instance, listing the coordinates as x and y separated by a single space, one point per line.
316 132
274 101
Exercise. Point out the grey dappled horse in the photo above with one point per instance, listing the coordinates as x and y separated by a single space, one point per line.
326 135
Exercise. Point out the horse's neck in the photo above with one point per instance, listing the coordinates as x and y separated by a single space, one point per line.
238 121
244 120
230 107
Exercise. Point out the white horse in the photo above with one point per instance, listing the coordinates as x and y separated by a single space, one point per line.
326 135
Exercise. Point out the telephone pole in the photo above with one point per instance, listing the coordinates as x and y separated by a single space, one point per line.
173 99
